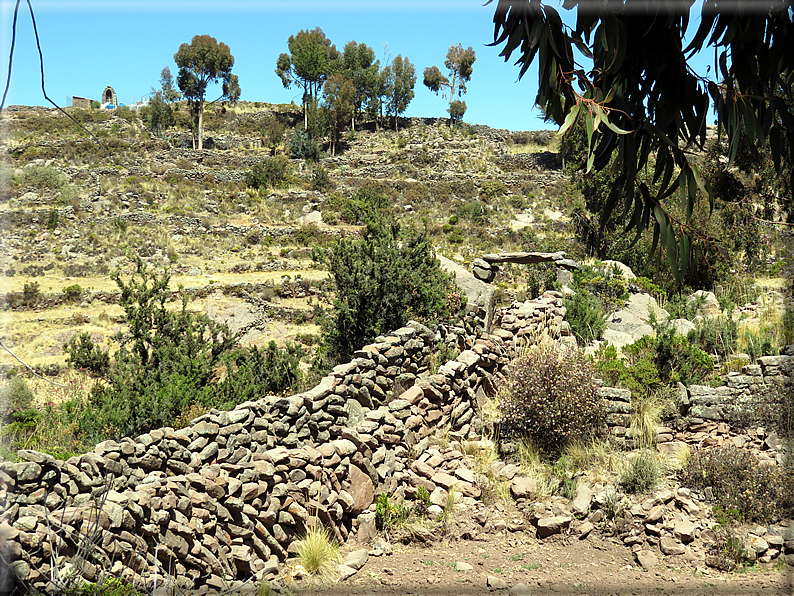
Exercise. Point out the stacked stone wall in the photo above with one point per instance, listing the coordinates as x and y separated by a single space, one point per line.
225 499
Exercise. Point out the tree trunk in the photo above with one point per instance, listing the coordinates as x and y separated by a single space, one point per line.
200 125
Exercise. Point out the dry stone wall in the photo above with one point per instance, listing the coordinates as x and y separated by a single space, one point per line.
223 500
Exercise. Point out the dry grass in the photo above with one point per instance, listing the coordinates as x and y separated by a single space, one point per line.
318 554
646 412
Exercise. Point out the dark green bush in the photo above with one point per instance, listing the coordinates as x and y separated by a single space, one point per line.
745 489
72 293
320 179
31 293
303 146
552 400
272 132
252 373
83 353
641 475
271 173
650 364
492 189
540 277
168 360
53 219
715 335
608 285
382 281
474 211
585 316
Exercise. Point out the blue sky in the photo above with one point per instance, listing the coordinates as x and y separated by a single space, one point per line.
89 44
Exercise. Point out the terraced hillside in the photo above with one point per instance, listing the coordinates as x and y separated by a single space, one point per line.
76 208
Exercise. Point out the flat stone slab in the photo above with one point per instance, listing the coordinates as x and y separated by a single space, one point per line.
524 258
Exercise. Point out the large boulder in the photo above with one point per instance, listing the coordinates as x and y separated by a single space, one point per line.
477 292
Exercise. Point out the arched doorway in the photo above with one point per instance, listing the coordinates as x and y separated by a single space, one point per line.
109 96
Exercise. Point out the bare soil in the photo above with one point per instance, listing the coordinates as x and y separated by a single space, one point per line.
596 566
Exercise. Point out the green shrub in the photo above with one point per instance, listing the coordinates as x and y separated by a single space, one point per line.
389 514
475 211
169 360
303 146
758 343
492 189
252 373
366 204
31 293
585 316
83 353
728 549
715 335
272 132
651 364
678 359
320 179
42 177
53 219
641 474
72 293
750 491
271 173
540 277
608 285
552 400
382 281
15 397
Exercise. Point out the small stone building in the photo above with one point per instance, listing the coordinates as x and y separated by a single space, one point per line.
81 102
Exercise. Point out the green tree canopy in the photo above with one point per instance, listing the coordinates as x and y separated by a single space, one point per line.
642 102
459 64
338 96
400 81
311 60
201 62
169 93
359 65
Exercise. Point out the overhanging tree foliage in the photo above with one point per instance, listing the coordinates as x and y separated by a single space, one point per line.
201 62
641 100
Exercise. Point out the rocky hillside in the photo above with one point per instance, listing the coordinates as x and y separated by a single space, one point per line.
74 208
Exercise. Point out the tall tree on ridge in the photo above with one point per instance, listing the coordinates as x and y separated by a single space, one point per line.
311 60
401 78
201 62
459 64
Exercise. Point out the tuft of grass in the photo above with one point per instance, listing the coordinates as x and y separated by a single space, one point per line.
318 553
529 457
646 413
641 474
449 507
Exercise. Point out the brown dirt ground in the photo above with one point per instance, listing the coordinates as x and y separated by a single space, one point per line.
597 566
